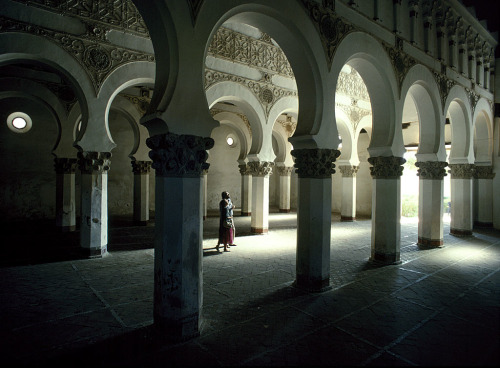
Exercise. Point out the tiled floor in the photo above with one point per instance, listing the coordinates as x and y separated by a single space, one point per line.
439 307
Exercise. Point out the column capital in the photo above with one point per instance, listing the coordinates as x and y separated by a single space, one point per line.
284 170
348 171
141 167
260 168
434 170
176 155
91 161
315 163
386 167
64 165
484 172
244 169
461 171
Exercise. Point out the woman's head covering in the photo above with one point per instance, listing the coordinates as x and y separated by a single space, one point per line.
225 195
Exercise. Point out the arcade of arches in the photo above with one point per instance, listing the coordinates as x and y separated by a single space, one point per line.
311 106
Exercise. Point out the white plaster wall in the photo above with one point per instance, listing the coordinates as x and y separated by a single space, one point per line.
223 174
337 190
363 179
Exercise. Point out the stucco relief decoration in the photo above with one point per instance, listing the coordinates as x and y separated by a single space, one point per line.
433 170
214 112
179 155
94 162
348 171
140 103
260 168
331 28
386 167
401 62
473 97
141 167
289 125
462 171
65 165
444 85
244 169
484 172
284 170
315 163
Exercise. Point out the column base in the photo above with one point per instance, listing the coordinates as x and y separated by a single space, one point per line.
429 243
385 259
347 218
141 223
314 286
257 230
94 252
246 213
67 229
483 224
284 210
177 331
458 232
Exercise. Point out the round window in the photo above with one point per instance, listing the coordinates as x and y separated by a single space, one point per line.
19 122
230 141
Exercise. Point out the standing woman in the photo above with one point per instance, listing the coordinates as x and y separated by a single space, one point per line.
225 222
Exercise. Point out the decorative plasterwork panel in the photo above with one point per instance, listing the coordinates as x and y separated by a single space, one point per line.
289 125
214 112
401 62
266 92
331 27
99 59
444 85
354 112
194 6
258 53
118 14
473 98
141 103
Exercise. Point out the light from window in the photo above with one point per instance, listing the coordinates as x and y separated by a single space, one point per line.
230 141
19 123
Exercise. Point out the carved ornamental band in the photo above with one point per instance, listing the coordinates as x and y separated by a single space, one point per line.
315 163
434 170
461 171
484 172
348 171
179 155
284 170
386 167
65 165
244 170
93 162
141 167
257 168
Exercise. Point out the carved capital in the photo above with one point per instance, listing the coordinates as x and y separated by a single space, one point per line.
315 163
484 172
348 171
461 171
244 170
434 170
179 155
284 170
386 167
141 167
90 162
65 165
260 168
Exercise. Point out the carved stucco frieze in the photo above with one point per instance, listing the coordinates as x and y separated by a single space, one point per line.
386 167
484 172
473 98
284 170
260 168
331 27
433 170
141 167
179 155
348 171
90 162
289 125
462 171
444 85
214 111
315 163
401 62
244 169
65 165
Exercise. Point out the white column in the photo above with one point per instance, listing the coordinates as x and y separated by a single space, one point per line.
284 173
65 193
204 189
484 176
178 276
314 168
348 203
461 199
94 168
453 55
246 190
396 16
260 195
479 70
472 65
428 40
462 58
386 209
430 203
141 170
413 21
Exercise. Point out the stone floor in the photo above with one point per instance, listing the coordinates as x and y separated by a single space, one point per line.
440 307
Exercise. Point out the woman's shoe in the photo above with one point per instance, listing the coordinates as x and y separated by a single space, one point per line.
217 247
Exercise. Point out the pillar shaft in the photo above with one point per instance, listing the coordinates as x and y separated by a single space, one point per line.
348 203
204 191
484 176
430 202
141 171
94 168
246 190
178 161
284 173
386 209
65 193
461 199
314 168
260 195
